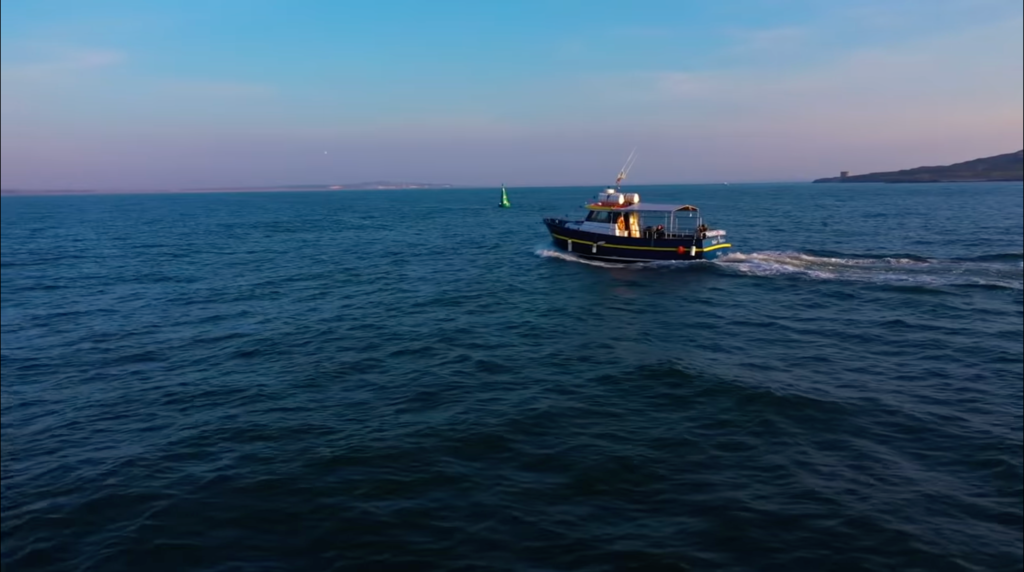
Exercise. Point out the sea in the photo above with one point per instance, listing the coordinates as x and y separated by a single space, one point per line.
417 380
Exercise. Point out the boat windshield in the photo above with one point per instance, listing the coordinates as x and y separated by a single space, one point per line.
677 224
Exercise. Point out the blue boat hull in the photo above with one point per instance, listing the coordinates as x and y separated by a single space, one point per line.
625 249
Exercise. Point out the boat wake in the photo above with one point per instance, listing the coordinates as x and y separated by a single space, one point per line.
1000 271
551 253
994 271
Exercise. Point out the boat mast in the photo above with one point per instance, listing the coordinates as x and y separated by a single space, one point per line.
625 168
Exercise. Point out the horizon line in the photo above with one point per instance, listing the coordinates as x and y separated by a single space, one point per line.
340 188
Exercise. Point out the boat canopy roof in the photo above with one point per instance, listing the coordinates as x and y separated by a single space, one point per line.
643 207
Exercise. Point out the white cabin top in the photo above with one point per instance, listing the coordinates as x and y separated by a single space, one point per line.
612 200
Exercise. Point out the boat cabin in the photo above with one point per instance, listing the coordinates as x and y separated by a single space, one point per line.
622 214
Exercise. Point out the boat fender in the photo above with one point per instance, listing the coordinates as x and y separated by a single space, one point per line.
693 251
681 250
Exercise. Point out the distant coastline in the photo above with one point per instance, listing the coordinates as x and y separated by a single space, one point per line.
1006 167
366 186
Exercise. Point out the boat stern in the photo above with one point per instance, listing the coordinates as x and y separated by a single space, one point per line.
714 244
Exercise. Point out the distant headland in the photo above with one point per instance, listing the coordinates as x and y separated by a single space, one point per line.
1007 167
367 186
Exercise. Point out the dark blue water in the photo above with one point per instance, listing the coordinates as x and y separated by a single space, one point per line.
416 381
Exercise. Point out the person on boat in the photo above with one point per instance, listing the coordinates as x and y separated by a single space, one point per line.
659 232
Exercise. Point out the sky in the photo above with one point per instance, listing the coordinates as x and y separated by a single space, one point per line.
216 93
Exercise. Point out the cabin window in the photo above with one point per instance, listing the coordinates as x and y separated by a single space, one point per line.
599 216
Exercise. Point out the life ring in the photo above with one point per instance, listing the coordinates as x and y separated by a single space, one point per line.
622 223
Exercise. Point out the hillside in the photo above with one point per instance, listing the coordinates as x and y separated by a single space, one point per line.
1007 167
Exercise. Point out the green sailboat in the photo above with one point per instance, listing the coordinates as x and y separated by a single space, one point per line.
504 198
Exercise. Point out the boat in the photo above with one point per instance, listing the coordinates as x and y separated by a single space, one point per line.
618 227
504 198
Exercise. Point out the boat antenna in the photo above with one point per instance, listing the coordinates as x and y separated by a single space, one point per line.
625 168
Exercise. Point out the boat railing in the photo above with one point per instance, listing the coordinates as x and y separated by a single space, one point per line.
680 231
651 232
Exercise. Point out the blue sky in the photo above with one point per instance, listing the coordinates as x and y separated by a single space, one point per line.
130 94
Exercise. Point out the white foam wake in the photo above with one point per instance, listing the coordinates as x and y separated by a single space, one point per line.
551 253
897 271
